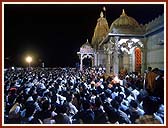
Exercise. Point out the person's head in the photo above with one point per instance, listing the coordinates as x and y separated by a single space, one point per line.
20 99
115 104
121 96
30 108
133 104
149 68
45 105
69 98
61 119
127 92
161 72
113 116
35 96
98 102
12 91
151 104
155 70
86 104
65 108
118 99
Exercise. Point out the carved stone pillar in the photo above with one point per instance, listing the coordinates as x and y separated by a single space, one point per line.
121 64
81 61
144 55
95 59
108 51
108 63
116 59
98 59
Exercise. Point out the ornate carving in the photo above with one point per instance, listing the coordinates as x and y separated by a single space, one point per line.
108 48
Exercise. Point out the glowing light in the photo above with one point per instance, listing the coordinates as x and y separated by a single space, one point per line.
29 59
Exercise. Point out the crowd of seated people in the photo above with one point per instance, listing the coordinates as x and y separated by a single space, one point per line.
71 96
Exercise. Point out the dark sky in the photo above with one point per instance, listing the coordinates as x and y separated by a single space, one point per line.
53 33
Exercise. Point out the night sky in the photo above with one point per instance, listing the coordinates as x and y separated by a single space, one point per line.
53 33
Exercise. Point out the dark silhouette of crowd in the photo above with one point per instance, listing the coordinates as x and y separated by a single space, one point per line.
71 96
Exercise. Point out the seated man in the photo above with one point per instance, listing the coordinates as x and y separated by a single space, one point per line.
150 106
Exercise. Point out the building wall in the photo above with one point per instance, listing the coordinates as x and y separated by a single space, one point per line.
155 52
126 62
101 58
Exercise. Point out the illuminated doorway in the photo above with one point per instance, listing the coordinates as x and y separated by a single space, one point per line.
138 60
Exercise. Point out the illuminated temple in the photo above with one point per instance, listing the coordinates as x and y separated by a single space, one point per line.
125 45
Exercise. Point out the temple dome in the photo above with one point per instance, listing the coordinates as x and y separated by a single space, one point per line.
86 48
125 24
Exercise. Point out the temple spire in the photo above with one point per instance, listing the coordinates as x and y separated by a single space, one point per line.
101 14
104 11
87 41
123 13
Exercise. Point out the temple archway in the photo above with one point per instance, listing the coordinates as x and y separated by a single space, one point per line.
87 62
86 55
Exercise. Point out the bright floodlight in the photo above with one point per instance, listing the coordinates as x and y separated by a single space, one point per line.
29 59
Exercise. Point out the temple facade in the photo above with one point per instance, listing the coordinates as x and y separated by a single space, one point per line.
126 45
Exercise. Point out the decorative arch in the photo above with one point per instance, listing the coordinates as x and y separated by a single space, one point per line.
87 60
86 51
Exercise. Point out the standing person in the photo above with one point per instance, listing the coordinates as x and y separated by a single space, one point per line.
72 108
159 86
150 80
